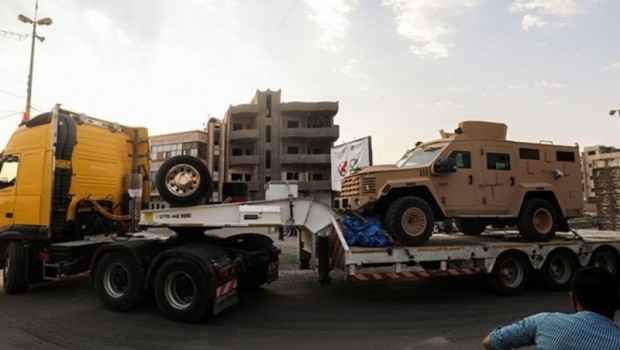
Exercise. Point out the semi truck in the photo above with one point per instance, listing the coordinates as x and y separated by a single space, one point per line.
73 199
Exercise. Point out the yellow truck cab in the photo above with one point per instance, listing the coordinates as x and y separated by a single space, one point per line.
63 177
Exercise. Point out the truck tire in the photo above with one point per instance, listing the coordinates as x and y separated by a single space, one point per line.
184 181
537 221
557 270
15 273
605 258
410 221
182 290
117 282
470 226
510 274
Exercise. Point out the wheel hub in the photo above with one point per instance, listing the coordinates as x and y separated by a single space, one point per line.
543 222
413 221
179 290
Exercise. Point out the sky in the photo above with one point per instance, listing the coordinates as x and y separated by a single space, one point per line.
400 70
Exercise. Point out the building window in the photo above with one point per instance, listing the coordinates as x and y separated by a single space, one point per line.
268 106
292 124
267 179
292 150
216 137
498 161
292 176
247 177
216 163
236 177
591 153
317 177
268 133
237 126
267 159
237 152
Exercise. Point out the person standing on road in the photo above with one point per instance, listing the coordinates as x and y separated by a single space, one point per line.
594 294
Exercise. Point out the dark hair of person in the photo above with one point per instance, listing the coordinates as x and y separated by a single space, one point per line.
596 290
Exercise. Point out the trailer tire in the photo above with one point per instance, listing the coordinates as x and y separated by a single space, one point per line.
510 274
182 290
15 269
184 181
117 282
557 271
607 259
410 220
471 227
537 221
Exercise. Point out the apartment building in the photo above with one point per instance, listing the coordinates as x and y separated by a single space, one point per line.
592 158
270 140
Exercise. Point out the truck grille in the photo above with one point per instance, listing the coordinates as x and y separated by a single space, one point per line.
356 186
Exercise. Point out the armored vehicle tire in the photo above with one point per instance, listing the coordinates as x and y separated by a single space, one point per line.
184 181
471 227
117 282
537 221
181 290
558 270
15 276
510 274
607 259
410 221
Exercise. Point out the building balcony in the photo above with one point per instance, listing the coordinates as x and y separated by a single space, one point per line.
312 186
305 159
244 110
243 160
245 134
327 134
325 108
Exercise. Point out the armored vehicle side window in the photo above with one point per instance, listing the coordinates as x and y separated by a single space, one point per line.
498 161
8 171
462 158
529 153
565 156
419 156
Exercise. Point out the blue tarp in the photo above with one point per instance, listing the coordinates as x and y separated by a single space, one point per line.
365 232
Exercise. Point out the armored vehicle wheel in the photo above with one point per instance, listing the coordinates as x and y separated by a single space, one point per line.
410 221
537 221
15 281
181 290
184 181
510 273
471 227
117 282
558 270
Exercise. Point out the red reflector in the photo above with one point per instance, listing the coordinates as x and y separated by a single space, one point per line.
44 256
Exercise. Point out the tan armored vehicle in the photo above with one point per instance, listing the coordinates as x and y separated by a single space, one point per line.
476 177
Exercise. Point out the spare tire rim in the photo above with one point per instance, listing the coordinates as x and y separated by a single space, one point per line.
542 220
413 221
183 180
179 290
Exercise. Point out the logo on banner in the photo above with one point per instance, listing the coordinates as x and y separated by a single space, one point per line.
354 164
342 168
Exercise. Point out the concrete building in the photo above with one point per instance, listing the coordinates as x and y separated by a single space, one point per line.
270 140
590 157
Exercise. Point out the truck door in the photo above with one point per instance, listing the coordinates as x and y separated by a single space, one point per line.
458 188
498 179
8 175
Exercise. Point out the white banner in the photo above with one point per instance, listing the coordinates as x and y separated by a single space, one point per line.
349 156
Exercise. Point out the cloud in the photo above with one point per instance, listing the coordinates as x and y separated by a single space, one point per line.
104 29
612 67
426 23
539 12
549 85
331 17
352 69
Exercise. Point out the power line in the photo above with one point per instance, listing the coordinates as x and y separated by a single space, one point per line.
19 36
12 94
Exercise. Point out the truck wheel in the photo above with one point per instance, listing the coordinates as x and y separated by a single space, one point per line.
538 220
605 258
184 181
117 282
557 270
410 220
471 227
510 274
15 276
182 291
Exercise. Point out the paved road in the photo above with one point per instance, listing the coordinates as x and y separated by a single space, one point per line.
294 312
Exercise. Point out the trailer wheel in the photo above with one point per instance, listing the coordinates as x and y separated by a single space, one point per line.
182 291
538 220
510 274
557 270
410 220
471 227
117 282
605 258
15 275
184 181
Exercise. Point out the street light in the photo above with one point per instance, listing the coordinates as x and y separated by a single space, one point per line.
43 22
613 111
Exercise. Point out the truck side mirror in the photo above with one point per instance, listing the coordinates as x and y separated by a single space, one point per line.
447 165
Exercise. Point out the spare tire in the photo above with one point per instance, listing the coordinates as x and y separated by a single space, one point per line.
183 181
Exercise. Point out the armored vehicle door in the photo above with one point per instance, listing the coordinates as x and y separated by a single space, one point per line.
458 189
8 177
497 185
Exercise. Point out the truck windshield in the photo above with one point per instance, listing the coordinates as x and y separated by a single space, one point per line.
419 155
